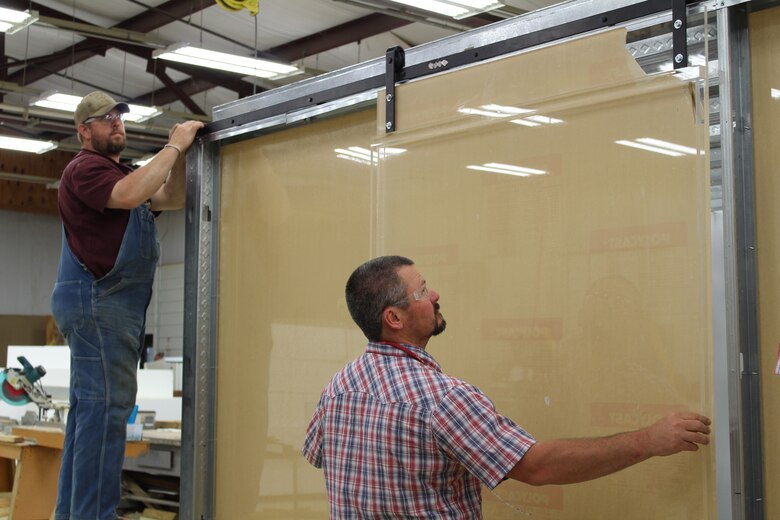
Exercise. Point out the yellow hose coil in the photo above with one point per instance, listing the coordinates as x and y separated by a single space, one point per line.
237 5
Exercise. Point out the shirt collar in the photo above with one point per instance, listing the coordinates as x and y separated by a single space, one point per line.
420 354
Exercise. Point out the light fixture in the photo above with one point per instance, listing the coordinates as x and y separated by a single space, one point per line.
506 169
69 102
366 156
457 9
185 53
26 145
775 92
650 144
12 21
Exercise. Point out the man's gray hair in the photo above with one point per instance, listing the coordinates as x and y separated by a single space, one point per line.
372 288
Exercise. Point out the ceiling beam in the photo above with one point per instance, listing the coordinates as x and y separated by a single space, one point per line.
159 71
164 95
144 22
352 31
322 41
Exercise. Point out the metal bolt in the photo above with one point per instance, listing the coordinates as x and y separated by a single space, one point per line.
388 125
678 58
389 98
677 24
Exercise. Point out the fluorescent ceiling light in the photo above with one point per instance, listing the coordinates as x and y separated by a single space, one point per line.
366 156
457 9
184 53
506 169
775 93
69 102
57 101
140 113
12 21
26 145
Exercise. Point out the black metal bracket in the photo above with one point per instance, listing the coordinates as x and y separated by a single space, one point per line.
679 34
394 71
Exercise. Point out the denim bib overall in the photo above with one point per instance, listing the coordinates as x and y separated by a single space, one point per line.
103 321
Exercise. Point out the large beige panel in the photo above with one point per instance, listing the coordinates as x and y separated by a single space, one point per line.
294 222
765 63
577 296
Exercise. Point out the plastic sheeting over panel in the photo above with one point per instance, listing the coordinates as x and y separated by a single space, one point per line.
294 221
764 30
558 201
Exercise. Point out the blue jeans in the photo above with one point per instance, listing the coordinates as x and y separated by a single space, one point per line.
104 323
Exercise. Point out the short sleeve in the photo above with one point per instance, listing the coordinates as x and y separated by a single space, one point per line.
312 445
471 431
93 182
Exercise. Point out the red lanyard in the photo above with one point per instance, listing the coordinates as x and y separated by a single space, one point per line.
407 351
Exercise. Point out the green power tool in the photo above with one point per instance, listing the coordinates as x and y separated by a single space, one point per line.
18 385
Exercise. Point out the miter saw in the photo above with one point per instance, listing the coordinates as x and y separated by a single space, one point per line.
19 386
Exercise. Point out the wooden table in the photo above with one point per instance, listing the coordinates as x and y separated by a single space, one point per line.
34 480
30 470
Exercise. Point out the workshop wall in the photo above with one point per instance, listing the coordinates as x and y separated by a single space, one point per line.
29 253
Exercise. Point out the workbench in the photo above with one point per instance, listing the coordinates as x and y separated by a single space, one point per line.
30 470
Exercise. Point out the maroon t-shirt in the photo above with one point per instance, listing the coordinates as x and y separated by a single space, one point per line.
94 232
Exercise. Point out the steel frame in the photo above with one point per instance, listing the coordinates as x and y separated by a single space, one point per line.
358 85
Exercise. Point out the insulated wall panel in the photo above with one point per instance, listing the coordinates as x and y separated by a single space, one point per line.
764 30
573 268
294 221
573 260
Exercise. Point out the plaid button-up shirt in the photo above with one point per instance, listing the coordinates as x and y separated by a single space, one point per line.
397 438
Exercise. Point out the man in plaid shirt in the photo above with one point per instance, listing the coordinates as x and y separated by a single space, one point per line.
398 438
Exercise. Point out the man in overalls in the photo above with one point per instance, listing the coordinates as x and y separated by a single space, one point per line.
104 285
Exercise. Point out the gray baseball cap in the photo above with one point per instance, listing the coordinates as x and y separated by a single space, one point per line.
97 104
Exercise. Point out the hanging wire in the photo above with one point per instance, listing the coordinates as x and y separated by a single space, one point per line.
201 23
254 82
124 68
154 71
26 51
73 53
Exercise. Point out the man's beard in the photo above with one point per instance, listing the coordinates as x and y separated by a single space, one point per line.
438 326
108 146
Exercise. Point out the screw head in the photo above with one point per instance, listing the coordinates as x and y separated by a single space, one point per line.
678 58
677 24
388 125
389 98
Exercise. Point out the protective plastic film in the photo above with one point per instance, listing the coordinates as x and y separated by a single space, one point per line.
557 199
764 49
294 222
559 202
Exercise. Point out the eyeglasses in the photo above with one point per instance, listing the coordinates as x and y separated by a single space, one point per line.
108 118
419 295
422 294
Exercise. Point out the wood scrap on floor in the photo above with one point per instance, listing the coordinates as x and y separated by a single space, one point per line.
156 514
